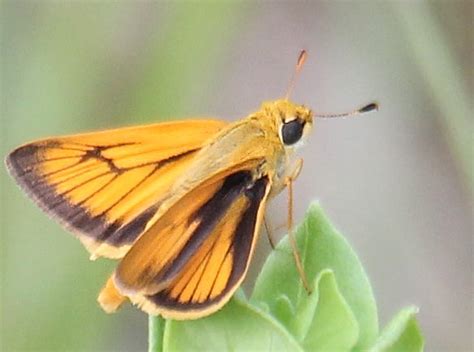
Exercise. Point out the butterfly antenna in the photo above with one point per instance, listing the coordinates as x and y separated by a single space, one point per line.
298 67
367 108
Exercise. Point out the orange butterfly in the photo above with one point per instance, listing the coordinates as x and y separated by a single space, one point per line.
180 203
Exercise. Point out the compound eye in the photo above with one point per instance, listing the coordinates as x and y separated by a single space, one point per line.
292 131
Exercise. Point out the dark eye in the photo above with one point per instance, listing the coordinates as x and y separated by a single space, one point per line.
292 131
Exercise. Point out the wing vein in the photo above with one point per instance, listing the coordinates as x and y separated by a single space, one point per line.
79 211
138 184
207 260
219 271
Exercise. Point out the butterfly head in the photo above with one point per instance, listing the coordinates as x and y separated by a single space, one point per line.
293 122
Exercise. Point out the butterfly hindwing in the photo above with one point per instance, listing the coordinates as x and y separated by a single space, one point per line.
106 186
187 267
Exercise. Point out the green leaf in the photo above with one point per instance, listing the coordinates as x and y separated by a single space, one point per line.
237 327
339 315
321 247
401 334
334 327
156 326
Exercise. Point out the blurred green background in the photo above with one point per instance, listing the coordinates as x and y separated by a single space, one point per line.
398 184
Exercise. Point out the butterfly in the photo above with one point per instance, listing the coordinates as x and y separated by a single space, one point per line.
180 204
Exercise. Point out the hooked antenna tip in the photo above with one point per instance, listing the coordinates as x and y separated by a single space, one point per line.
368 108
299 65
301 59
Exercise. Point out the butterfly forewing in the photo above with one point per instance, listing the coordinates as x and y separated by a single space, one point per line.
106 186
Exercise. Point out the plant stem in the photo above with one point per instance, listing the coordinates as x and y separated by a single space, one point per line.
156 327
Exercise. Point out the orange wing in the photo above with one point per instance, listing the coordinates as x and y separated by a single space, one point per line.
106 186
193 258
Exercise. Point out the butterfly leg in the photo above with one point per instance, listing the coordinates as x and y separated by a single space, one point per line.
269 233
297 169
289 184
